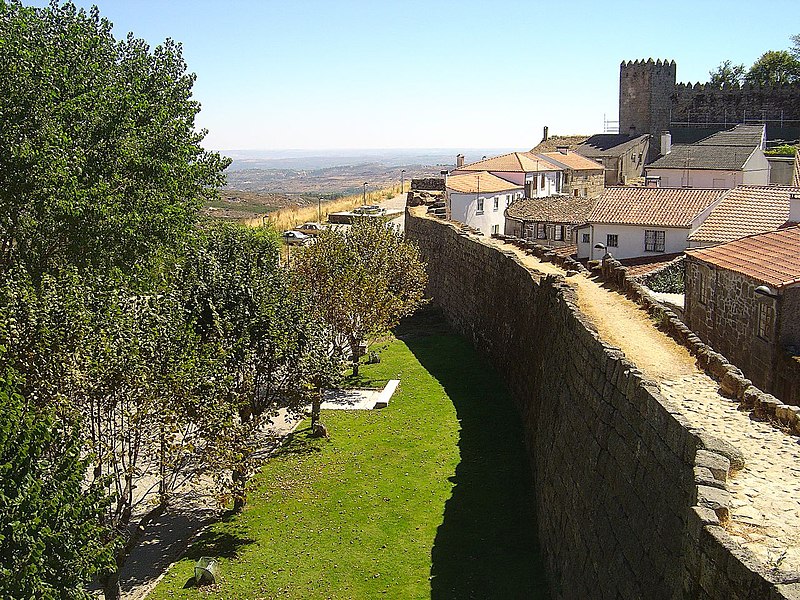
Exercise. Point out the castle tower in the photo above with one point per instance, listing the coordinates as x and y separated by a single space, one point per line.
645 92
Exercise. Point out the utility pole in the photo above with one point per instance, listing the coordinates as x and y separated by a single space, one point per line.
365 193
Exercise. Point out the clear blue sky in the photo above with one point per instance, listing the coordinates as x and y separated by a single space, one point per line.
421 74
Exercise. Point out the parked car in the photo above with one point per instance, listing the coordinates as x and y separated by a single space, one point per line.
311 229
295 238
372 210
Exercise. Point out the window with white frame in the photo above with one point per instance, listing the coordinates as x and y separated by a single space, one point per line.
541 231
654 240
496 203
584 238
480 206
612 240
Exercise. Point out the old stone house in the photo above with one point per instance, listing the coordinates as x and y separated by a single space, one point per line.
581 177
722 160
549 221
743 299
479 199
629 222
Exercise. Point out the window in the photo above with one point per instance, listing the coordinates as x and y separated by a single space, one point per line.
765 319
584 238
541 181
508 199
496 203
495 229
558 233
480 207
541 231
612 240
654 240
702 284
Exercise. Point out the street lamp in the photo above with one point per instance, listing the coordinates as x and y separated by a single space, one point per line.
764 290
599 246
319 210
402 181
365 192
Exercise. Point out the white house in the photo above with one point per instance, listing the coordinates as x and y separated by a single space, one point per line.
630 222
538 176
722 160
479 199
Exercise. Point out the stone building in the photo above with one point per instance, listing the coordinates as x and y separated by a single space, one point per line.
549 221
651 101
743 299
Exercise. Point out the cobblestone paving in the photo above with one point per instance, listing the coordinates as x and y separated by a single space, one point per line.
765 515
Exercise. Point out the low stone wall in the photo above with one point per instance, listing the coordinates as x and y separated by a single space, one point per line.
631 501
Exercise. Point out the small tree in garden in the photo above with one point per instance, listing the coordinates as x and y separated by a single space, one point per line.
51 541
362 281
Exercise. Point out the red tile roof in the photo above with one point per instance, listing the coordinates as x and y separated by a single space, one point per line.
664 207
745 210
513 162
772 258
573 160
471 183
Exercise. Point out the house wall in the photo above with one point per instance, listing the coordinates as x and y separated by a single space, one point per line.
619 170
698 178
728 320
781 170
631 241
585 184
464 208
613 462
756 170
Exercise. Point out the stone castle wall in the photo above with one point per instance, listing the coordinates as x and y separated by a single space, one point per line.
629 499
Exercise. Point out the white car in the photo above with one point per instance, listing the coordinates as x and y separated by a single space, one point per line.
311 229
295 238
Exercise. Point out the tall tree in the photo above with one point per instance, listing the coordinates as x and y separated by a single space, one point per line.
51 541
727 74
102 163
362 281
776 67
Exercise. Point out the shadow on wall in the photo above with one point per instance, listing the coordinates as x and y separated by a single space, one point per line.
487 544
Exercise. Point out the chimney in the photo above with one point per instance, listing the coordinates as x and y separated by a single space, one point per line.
652 181
666 143
794 207
563 149
545 134
459 160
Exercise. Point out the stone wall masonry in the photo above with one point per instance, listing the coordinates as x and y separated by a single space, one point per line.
631 501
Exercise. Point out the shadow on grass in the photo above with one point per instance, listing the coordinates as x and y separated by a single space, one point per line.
487 544
219 544
299 441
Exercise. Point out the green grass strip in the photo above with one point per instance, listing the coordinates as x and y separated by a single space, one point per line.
428 498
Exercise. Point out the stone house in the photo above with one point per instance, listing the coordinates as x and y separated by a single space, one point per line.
581 177
629 222
479 199
722 160
550 221
743 299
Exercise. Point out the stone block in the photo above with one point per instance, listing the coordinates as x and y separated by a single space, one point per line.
716 499
726 449
717 464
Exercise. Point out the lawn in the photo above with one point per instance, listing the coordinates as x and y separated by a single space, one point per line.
430 497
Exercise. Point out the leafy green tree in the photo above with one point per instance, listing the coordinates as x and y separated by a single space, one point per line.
776 67
362 281
102 164
51 541
727 74
795 50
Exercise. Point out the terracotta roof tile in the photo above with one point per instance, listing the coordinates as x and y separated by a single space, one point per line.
513 162
484 181
554 209
772 258
573 160
664 207
745 210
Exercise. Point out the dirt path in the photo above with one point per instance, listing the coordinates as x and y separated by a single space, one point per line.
622 323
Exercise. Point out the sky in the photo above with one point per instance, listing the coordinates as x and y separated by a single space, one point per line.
336 74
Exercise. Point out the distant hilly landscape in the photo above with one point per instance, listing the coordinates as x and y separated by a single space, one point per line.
261 181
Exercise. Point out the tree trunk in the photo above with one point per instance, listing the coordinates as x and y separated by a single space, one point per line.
111 588
355 349
239 483
316 407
